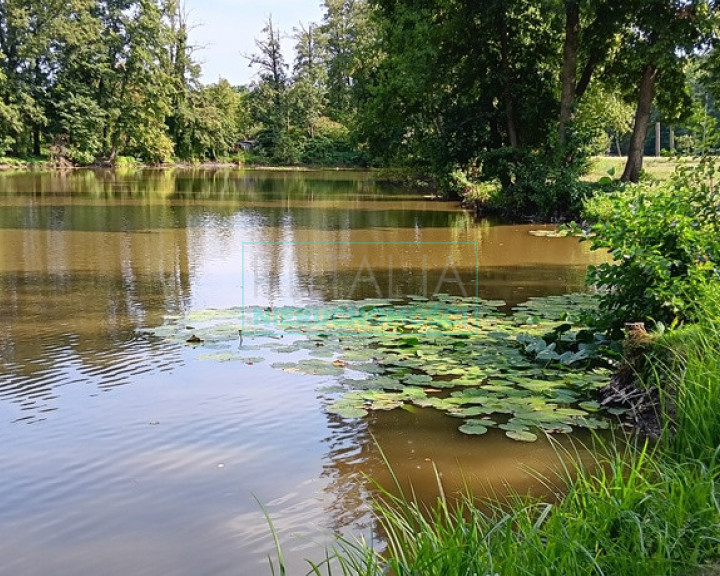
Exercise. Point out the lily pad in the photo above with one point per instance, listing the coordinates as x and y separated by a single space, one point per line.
311 367
474 427
347 411
521 435
460 355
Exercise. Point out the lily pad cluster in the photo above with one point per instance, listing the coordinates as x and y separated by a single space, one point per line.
523 371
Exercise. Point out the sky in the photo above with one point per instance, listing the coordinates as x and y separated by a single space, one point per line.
224 30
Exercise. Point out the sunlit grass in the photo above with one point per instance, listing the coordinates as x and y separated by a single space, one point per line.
632 512
689 374
658 168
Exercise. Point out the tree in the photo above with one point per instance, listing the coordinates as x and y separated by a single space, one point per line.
10 118
663 36
28 31
184 74
592 31
269 96
603 116
461 84
216 120
308 95
346 28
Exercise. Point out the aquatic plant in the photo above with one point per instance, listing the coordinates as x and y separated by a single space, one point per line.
637 509
532 371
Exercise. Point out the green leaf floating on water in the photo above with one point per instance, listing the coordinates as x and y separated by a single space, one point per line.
536 368
521 435
231 357
418 379
311 367
476 427
347 410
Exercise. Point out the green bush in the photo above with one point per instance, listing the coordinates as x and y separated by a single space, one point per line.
126 162
328 151
537 183
665 242
81 157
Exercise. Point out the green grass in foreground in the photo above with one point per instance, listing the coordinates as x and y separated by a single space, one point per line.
639 510
635 513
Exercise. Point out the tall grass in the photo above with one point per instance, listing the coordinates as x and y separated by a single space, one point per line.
632 512
638 509
689 374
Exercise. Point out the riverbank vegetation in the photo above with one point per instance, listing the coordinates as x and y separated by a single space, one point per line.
505 103
644 505
641 507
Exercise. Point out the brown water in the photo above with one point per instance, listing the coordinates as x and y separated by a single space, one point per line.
122 455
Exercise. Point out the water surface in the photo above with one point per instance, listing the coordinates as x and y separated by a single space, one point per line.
125 455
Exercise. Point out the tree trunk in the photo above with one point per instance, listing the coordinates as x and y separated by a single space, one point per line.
672 139
642 120
587 73
510 112
569 71
658 135
36 141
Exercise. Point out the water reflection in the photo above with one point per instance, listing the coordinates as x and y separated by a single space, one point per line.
158 475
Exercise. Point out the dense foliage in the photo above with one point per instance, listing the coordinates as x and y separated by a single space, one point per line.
511 94
523 93
90 80
665 244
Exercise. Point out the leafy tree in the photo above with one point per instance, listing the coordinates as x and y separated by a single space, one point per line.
664 34
461 85
29 32
184 74
604 117
10 117
269 97
347 30
308 95
217 113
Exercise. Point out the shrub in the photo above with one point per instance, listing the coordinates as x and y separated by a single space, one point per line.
665 242
458 184
537 183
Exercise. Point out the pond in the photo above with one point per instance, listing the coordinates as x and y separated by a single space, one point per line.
128 454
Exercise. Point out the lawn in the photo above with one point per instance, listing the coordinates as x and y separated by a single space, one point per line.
659 168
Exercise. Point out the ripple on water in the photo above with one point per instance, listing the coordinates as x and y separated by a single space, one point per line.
30 383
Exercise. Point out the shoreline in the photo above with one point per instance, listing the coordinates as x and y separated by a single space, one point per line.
49 165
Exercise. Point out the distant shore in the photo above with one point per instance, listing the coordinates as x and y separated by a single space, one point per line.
9 163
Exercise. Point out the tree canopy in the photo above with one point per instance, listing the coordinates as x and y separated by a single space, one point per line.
516 94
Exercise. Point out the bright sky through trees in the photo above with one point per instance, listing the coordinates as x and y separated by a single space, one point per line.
226 29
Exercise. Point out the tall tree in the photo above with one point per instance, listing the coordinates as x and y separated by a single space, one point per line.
346 29
184 74
308 97
269 96
664 34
